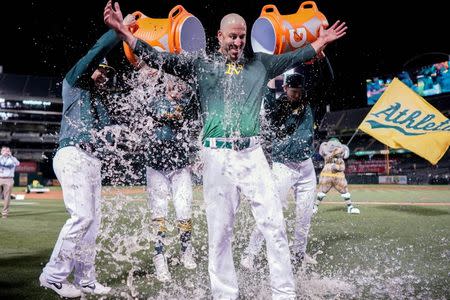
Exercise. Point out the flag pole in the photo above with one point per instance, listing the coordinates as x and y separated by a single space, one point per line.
348 143
387 159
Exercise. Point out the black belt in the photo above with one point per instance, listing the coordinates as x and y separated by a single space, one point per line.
234 144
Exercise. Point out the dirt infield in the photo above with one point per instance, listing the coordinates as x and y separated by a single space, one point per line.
382 187
51 195
57 195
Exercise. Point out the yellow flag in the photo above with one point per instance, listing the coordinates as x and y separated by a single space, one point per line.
403 119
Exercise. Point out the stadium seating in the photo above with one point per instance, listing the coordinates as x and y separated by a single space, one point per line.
30 116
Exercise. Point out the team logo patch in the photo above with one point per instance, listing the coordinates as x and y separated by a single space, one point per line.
233 68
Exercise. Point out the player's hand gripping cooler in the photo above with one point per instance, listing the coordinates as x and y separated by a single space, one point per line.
181 31
274 33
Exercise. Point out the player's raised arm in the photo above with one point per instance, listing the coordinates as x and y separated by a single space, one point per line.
278 64
114 19
327 36
170 63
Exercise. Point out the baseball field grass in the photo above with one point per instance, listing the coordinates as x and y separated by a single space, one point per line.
397 248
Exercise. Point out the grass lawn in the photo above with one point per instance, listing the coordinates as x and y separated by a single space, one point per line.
392 250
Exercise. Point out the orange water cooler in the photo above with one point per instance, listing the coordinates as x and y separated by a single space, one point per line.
181 31
274 33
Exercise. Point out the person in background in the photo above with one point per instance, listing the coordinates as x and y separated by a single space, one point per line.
8 164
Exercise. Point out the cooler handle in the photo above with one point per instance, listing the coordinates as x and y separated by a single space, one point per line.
137 15
176 11
270 8
308 5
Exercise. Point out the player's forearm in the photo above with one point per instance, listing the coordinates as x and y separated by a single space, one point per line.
126 36
278 64
319 45
170 63
9 163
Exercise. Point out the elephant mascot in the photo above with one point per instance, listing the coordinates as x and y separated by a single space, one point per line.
332 175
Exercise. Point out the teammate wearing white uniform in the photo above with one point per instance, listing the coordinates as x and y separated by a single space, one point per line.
292 127
230 90
78 169
168 171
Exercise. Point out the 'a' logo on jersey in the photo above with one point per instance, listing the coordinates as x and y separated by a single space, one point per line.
233 68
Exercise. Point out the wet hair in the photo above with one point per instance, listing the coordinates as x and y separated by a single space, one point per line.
295 80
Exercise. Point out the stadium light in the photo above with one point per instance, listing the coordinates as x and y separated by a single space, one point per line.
36 102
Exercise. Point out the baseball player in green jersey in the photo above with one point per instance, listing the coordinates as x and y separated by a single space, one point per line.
77 166
230 88
168 170
291 147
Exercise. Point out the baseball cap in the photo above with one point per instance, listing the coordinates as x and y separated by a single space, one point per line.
104 64
295 80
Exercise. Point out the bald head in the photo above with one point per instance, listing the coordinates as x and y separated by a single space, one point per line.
230 20
231 36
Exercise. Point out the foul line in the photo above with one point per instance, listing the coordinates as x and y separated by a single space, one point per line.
392 203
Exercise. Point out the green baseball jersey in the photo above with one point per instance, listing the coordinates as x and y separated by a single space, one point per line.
292 127
170 146
230 93
83 107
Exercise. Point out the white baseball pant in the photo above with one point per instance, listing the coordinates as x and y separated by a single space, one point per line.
301 177
226 173
80 178
164 185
